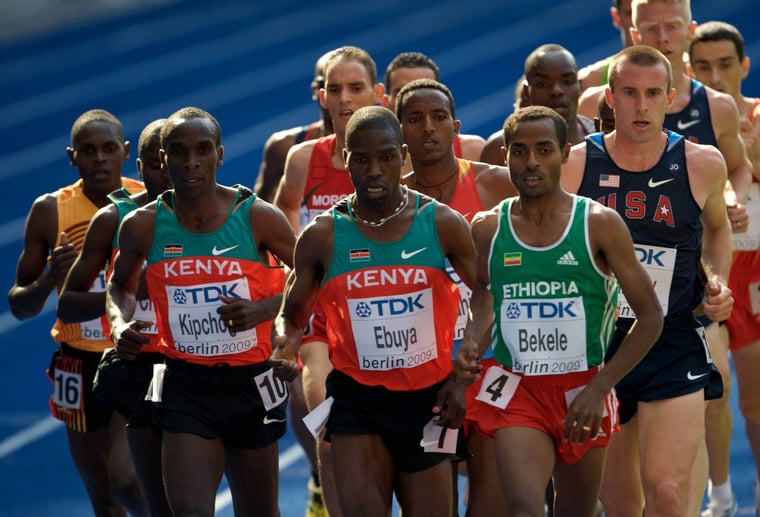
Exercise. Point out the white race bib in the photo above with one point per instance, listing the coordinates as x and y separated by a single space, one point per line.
144 311
659 263
754 297
394 331
196 327
750 240
545 336
93 329
465 293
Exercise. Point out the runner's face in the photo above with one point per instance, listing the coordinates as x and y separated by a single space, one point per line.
554 83
374 160
622 18
716 64
665 27
347 88
640 100
191 156
149 166
99 154
428 127
535 158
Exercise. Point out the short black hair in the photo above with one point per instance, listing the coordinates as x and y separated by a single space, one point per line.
353 54
95 115
190 112
421 84
410 60
534 57
718 31
373 117
534 113
639 55
150 136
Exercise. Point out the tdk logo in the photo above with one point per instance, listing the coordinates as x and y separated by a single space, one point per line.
179 297
391 306
541 310
650 256
205 294
363 310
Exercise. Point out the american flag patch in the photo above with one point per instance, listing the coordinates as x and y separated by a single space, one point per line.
609 180
172 250
361 255
512 259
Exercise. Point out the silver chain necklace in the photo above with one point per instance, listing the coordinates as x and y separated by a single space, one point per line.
375 224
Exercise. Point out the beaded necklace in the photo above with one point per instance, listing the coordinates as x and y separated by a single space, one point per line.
375 224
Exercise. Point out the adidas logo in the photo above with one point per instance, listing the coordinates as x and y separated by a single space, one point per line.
568 259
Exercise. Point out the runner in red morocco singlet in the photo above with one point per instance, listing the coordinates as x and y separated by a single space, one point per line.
425 108
315 178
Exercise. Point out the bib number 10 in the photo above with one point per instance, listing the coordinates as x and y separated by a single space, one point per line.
272 389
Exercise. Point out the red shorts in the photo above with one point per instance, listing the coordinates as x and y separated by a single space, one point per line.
316 330
743 327
472 417
540 403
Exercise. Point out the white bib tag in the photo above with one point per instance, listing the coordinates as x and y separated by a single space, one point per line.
316 420
498 387
272 389
436 438
67 392
156 388
754 297
571 394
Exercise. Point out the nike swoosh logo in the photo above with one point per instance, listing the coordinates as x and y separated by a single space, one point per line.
405 255
223 250
686 125
652 183
268 420
695 377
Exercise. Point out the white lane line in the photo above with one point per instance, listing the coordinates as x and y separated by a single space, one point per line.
141 33
222 93
8 322
167 65
31 434
49 424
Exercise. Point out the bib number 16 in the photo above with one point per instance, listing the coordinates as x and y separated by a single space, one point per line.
68 390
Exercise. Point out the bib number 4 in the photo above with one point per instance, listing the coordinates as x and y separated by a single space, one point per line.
498 387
